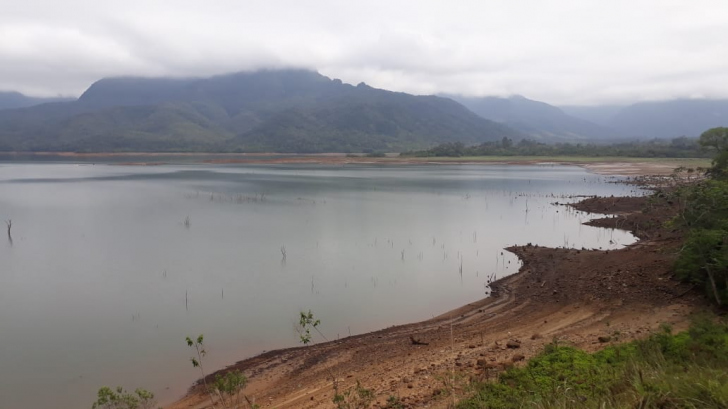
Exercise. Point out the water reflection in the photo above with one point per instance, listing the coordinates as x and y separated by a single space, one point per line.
235 252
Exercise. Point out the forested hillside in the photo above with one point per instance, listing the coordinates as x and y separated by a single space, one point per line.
279 111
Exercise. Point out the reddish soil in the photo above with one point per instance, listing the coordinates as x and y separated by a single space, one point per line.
575 296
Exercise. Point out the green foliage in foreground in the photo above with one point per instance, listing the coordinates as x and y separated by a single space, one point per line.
306 322
703 259
687 370
121 399
229 387
716 140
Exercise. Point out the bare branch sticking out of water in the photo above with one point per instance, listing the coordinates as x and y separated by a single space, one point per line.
9 223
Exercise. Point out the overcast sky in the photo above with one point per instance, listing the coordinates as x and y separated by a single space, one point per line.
561 52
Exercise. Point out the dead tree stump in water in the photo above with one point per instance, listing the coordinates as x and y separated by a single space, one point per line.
9 223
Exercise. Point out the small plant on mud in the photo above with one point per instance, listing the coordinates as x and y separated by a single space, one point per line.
307 322
121 399
228 388
200 352
356 398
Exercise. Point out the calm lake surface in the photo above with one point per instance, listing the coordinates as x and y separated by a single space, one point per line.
103 279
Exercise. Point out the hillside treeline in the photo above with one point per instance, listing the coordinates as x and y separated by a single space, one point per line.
682 147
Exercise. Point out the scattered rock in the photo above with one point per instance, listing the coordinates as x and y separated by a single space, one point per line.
513 344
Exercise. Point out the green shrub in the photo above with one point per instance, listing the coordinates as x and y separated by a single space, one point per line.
228 387
121 399
685 370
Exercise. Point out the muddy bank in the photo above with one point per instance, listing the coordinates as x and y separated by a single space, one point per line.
575 296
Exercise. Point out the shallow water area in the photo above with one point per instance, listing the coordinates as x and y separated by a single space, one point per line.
110 267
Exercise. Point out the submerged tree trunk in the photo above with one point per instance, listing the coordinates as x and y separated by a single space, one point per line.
9 223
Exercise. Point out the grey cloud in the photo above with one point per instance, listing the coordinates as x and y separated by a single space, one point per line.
557 51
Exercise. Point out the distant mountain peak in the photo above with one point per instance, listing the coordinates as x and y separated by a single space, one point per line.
536 119
669 119
14 99
291 110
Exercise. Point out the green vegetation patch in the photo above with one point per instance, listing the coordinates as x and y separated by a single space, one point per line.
677 162
686 370
703 260
682 147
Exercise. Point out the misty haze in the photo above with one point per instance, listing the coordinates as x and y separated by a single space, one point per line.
236 204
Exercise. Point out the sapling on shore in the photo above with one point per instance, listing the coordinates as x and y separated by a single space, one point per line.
228 387
306 322
358 397
200 352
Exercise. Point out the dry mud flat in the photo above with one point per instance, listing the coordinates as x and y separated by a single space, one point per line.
584 298
603 167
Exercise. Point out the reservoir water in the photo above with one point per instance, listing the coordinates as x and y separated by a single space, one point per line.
110 267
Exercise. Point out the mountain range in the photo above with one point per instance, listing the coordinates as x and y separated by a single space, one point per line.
11 99
538 120
276 111
303 111
659 119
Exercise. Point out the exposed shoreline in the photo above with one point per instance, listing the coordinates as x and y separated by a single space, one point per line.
574 295
616 166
